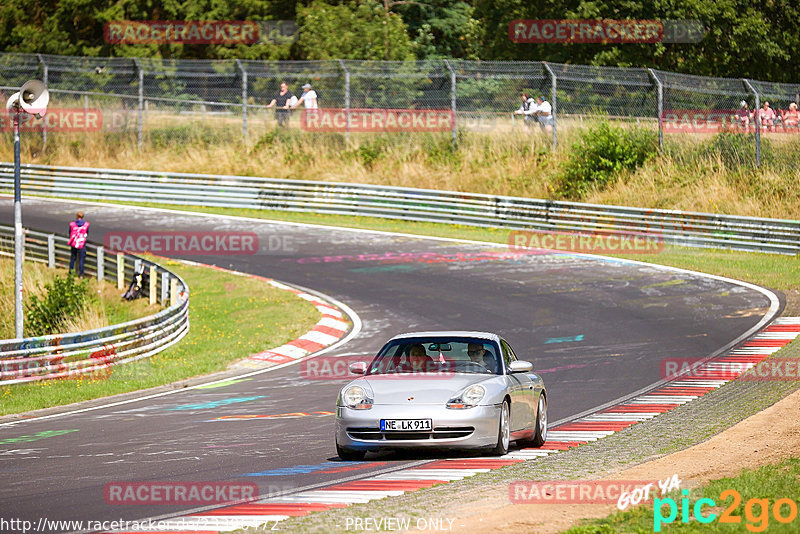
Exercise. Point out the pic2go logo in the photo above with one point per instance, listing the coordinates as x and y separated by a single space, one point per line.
783 510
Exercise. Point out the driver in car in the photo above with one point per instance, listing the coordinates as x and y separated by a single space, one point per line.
478 354
419 359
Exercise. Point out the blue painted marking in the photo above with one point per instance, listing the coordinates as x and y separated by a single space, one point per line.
296 470
215 404
564 339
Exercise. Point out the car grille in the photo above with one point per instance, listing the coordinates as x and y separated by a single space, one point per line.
442 432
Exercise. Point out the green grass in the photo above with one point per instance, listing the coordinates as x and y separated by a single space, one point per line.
770 482
231 317
775 271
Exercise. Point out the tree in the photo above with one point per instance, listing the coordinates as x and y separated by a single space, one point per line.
357 30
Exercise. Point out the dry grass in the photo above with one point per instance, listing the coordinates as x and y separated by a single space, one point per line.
508 161
104 306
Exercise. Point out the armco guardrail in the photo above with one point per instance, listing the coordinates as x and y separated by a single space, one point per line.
681 228
61 355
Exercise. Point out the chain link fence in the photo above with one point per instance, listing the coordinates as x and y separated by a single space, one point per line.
158 100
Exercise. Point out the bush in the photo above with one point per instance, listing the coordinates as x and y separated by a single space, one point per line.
737 150
601 152
63 299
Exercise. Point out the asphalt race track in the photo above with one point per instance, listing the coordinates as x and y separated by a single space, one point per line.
595 328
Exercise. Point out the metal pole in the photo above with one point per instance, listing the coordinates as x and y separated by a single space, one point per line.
18 243
140 120
44 80
553 98
757 119
660 89
51 251
346 99
244 98
101 264
453 108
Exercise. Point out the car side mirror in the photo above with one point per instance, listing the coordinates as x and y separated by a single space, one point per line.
357 368
521 367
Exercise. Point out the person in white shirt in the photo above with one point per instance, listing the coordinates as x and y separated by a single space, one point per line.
309 98
544 114
526 109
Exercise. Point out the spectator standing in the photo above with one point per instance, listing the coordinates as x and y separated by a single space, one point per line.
766 115
78 234
281 104
743 116
544 114
308 98
791 118
526 109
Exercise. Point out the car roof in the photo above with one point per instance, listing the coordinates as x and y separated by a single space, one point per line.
450 333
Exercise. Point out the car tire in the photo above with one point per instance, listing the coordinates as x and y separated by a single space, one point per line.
540 435
349 455
503 431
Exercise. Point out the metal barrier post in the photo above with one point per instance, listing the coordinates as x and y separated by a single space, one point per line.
346 99
51 251
120 270
101 264
173 291
44 79
244 99
164 287
553 100
153 284
140 120
756 118
453 108
660 89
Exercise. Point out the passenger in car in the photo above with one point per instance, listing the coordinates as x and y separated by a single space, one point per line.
419 359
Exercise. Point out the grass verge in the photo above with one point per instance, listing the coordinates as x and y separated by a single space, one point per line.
231 318
759 490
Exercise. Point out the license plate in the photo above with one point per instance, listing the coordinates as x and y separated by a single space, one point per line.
406 425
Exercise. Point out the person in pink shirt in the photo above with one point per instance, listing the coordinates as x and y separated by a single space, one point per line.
791 118
78 233
766 115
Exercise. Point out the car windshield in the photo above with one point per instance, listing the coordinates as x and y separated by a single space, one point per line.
437 355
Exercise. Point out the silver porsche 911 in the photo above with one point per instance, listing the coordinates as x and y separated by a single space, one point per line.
464 390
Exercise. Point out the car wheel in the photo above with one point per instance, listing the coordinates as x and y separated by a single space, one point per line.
503 432
540 436
349 455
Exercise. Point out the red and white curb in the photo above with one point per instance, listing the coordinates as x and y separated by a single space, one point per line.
331 328
271 511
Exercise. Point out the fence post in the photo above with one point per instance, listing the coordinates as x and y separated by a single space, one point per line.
756 118
346 99
173 291
44 79
120 270
101 264
244 98
140 120
164 287
153 284
660 89
553 100
51 251
453 108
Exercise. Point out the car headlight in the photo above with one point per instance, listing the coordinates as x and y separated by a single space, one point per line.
469 398
356 397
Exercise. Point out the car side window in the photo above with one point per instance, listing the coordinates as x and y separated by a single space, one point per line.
508 354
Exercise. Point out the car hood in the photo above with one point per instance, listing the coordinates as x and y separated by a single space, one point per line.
397 389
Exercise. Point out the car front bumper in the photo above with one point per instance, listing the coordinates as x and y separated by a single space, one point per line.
470 428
